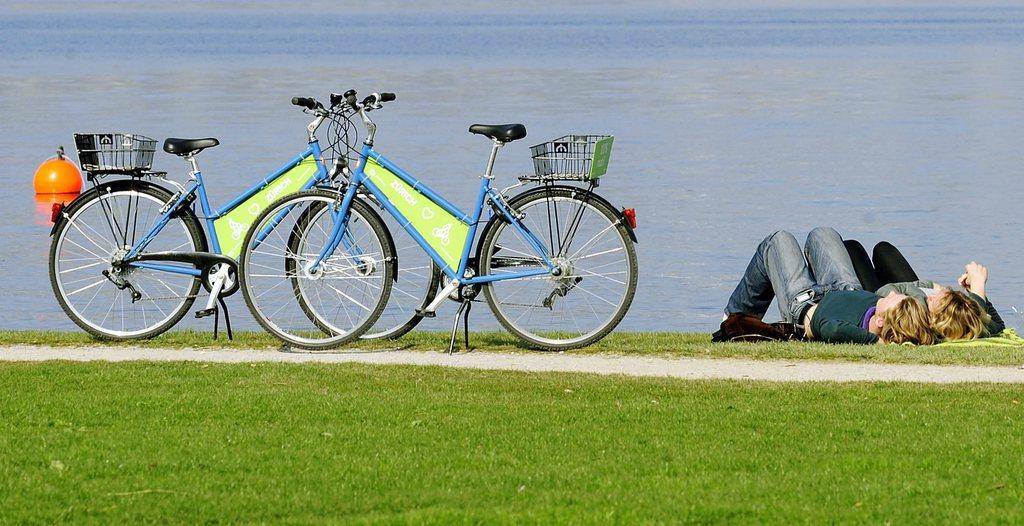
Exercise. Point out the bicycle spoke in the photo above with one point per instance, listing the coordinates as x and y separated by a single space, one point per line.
90 239
83 223
591 240
350 298
87 287
81 267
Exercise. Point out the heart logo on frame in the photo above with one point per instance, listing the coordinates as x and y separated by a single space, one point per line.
427 214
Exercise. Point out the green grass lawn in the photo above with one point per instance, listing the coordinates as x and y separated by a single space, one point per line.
188 442
622 343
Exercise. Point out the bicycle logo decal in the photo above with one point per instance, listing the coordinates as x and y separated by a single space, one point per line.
403 192
276 191
427 214
443 233
237 229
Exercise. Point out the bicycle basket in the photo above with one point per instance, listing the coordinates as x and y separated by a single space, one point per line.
115 152
572 157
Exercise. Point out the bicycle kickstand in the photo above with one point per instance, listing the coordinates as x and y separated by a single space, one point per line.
227 319
211 307
464 312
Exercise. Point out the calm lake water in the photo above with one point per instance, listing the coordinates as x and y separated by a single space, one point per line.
902 124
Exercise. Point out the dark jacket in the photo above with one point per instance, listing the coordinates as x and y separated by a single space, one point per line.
839 315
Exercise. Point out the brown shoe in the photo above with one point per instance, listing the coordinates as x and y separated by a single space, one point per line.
741 327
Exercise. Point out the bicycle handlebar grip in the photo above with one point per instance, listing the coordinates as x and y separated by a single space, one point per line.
387 97
305 102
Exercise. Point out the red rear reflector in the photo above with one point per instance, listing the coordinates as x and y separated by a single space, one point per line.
630 215
55 211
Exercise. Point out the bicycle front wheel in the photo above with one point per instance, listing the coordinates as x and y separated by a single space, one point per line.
330 290
416 281
596 267
416 275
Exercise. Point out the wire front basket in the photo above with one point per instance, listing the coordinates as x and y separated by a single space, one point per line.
115 152
571 158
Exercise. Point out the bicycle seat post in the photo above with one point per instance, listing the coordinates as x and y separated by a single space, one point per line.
191 158
490 162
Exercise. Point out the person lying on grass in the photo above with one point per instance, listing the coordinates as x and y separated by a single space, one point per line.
954 314
817 290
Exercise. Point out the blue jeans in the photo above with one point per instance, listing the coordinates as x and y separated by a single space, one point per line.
780 270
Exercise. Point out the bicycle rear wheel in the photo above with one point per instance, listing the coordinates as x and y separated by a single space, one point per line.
316 307
596 260
90 284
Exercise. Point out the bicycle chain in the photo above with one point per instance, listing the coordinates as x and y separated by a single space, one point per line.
190 296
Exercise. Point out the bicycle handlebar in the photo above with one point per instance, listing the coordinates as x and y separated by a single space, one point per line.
375 99
348 97
306 102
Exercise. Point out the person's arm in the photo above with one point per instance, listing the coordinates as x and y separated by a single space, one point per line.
839 331
995 324
924 283
914 289
907 288
974 278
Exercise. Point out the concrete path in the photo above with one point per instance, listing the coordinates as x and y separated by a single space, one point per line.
688 368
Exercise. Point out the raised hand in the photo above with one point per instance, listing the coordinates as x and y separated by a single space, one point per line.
977 276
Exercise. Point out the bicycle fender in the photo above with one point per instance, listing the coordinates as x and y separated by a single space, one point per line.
513 202
125 184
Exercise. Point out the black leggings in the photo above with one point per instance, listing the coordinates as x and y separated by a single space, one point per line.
889 265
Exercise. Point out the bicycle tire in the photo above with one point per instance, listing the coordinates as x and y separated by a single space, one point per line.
407 320
88 199
375 225
486 257
397 324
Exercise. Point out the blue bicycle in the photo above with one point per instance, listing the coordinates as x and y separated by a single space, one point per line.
128 256
557 263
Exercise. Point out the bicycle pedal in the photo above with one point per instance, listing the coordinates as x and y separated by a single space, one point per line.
206 312
425 314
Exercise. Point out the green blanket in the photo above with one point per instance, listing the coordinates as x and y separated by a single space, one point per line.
1007 338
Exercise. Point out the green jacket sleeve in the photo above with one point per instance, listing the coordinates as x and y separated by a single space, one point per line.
909 288
838 331
995 325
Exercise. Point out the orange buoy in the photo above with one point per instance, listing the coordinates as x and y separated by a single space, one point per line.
58 176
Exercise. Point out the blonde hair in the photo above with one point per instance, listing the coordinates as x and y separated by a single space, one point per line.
958 317
907 322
